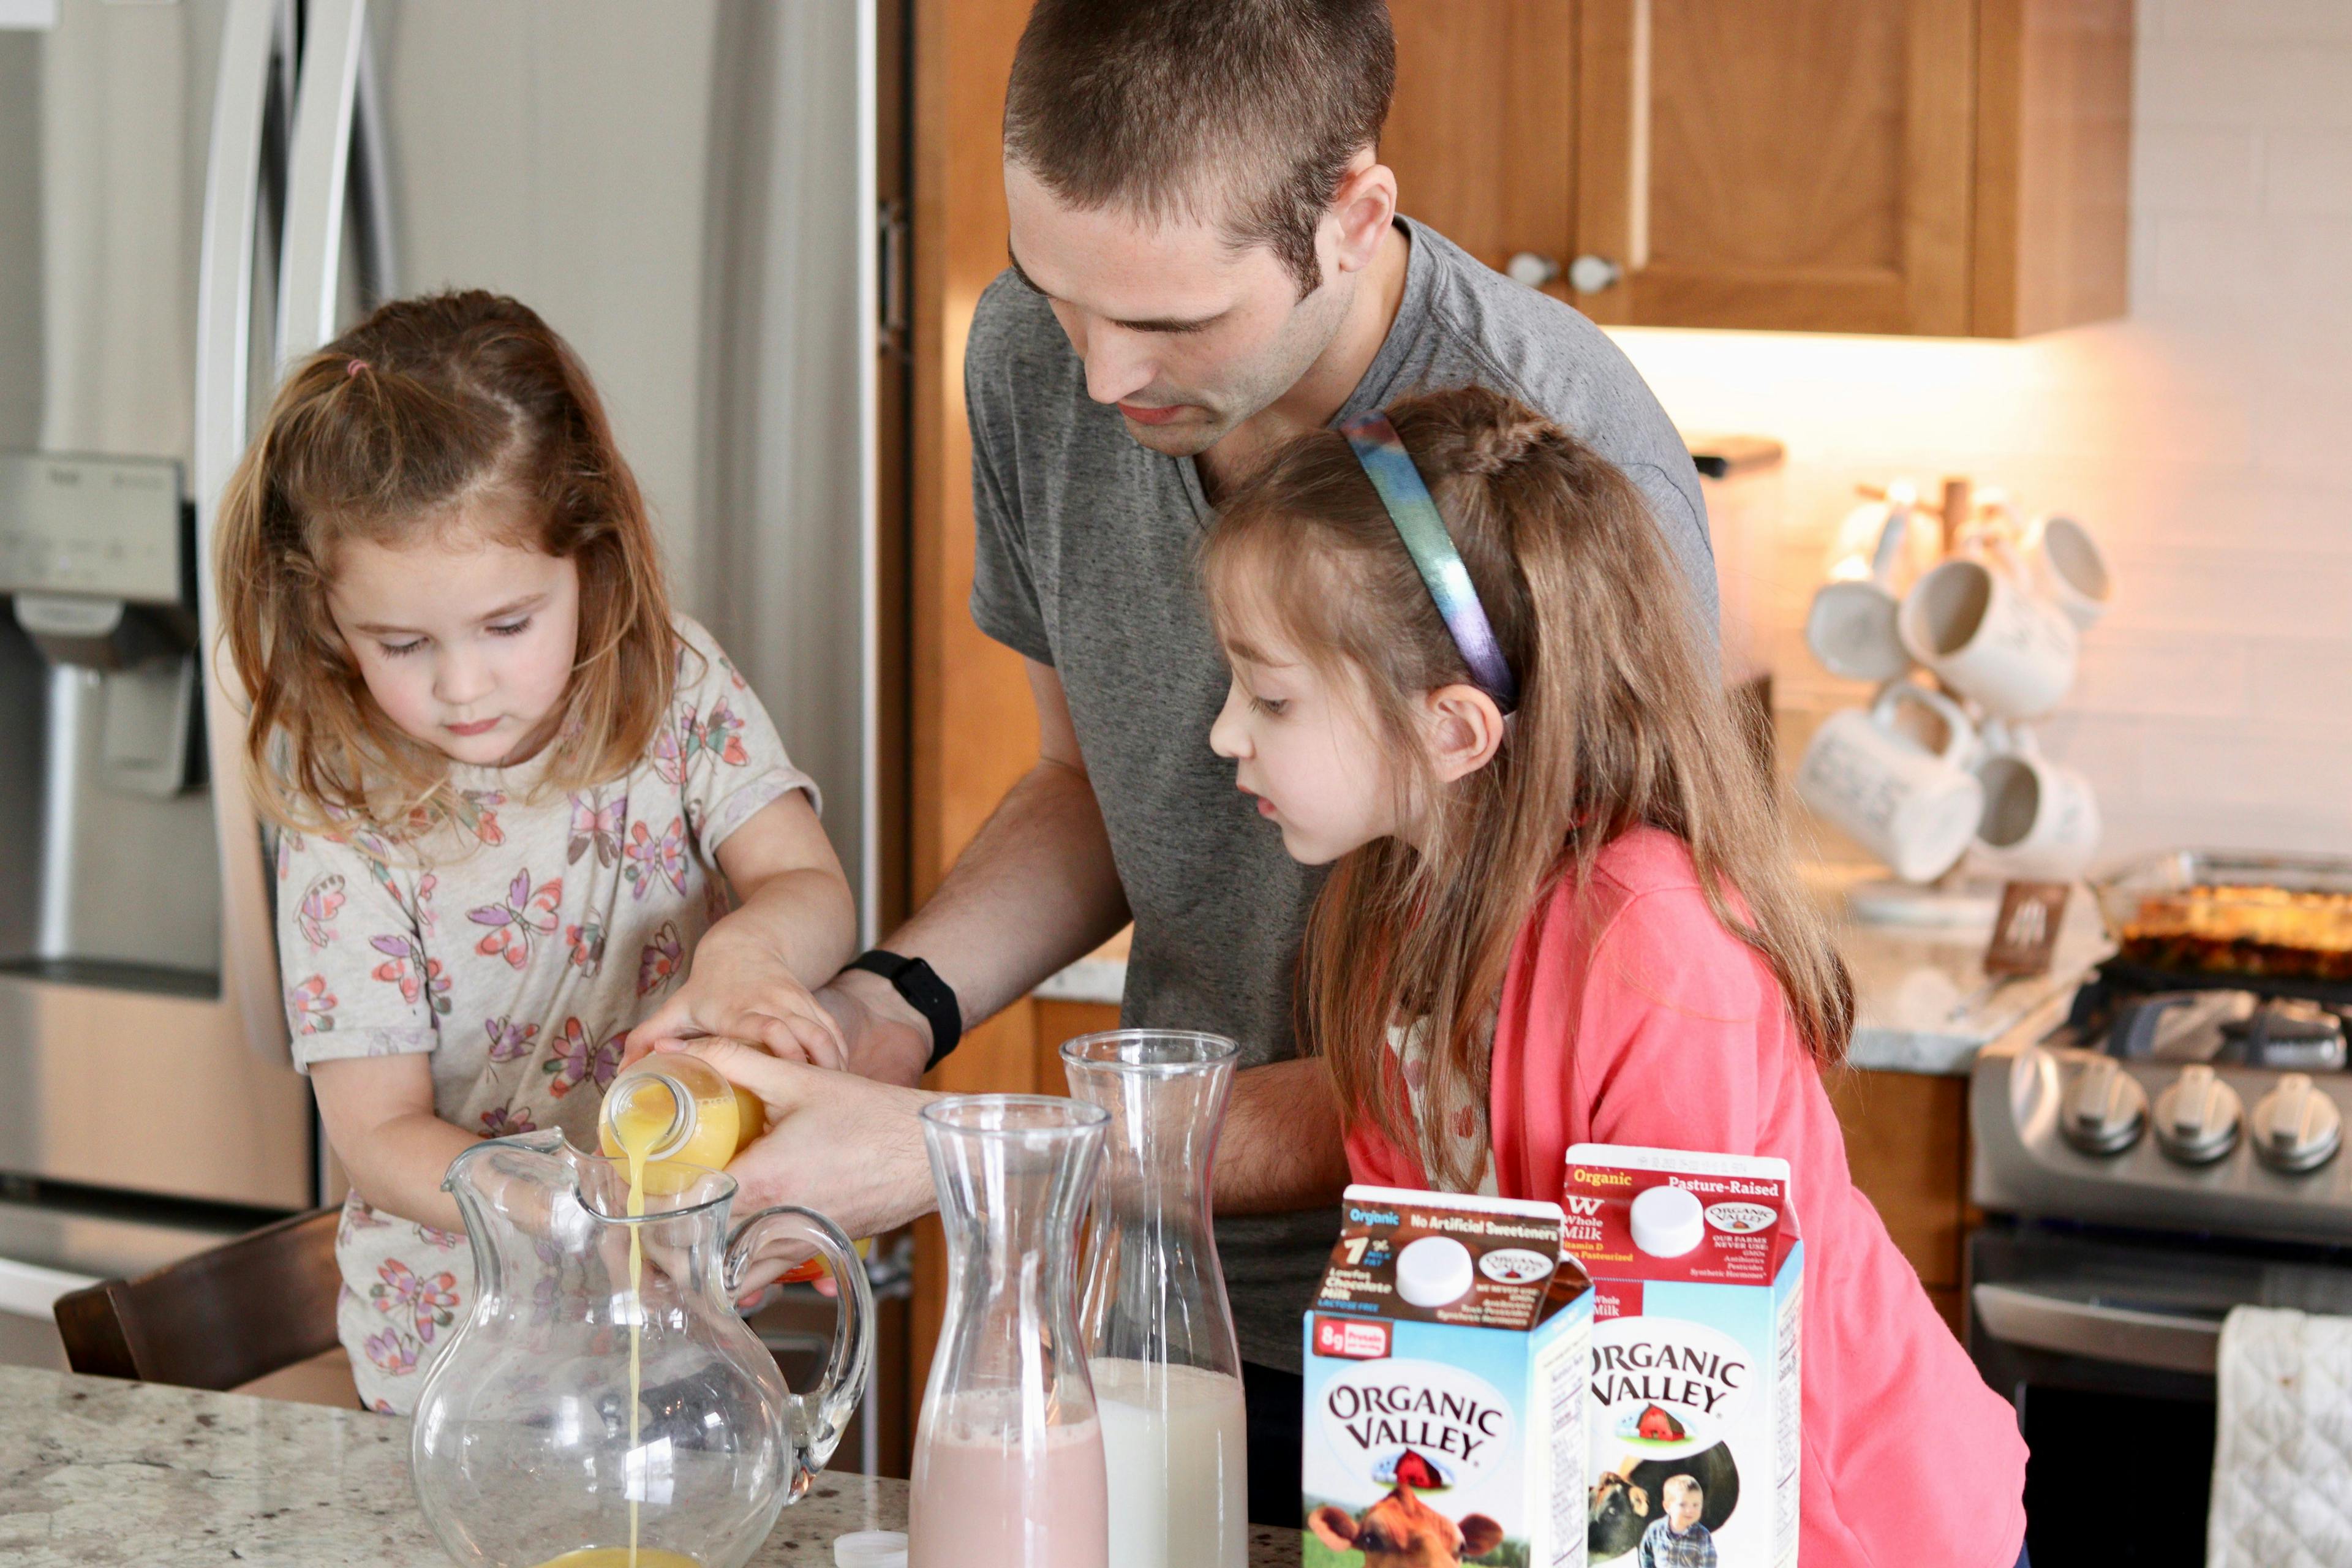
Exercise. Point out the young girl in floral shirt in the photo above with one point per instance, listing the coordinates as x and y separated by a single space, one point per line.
513 789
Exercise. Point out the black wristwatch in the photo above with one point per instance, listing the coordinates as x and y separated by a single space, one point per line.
925 992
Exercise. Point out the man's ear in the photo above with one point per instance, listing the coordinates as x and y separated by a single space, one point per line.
1364 206
1464 729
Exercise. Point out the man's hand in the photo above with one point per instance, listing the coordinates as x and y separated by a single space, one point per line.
887 1040
845 1146
743 989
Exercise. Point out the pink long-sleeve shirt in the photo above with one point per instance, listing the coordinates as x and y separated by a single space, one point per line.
1630 1016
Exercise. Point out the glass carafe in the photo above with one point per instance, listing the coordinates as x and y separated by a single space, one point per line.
529 1448
1008 1453
1166 1369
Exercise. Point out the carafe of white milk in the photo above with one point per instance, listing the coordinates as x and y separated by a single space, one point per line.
1158 1329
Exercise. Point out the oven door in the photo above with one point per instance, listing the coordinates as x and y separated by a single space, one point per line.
2106 1346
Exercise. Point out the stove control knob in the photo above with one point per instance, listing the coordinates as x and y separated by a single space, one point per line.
2197 1119
2105 1110
2296 1126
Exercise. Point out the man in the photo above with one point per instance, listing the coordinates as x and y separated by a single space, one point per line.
1206 259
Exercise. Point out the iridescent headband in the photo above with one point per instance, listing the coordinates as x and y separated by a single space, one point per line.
1410 506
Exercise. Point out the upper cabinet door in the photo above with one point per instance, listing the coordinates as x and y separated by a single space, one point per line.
1935 167
1800 164
1482 132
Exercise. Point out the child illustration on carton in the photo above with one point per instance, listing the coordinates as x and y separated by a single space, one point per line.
1679 1540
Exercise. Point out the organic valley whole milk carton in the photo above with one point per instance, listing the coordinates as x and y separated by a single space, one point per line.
1695 1267
1447 1354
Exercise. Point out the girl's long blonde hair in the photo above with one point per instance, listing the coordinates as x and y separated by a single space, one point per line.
1623 721
427 405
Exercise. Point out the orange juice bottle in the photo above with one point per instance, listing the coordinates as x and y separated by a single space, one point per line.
675 1109
678 1109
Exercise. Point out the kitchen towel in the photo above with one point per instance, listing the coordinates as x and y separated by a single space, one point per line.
2282 1449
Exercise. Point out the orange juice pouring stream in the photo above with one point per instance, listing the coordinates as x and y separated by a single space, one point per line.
683 1112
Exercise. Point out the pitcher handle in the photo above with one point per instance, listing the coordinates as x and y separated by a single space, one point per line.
826 1411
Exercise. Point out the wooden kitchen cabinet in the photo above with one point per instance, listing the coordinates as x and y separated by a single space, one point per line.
1932 167
1907 1144
1479 130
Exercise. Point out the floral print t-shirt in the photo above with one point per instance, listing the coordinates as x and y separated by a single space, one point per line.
516 946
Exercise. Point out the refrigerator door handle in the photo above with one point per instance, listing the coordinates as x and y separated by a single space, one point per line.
225 291
317 166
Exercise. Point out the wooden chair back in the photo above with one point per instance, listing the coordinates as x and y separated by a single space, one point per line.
218 1319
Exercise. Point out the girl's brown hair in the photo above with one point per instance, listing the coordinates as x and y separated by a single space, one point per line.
1621 722
425 407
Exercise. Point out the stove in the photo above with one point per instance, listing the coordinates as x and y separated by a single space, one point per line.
2201 1109
2173 1150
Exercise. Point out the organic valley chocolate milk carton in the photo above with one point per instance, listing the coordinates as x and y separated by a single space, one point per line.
1695 1267
1447 1356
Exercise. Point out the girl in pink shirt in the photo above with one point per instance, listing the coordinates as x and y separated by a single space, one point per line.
1562 906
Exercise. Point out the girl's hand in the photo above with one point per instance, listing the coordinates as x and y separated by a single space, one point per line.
794 919
738 988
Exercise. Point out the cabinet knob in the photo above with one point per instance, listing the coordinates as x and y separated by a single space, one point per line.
1526 267
1593 274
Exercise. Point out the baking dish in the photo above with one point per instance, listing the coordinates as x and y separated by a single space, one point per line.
2233 912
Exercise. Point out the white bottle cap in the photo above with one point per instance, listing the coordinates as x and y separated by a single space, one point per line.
1667 1222
870 1549
1433 1271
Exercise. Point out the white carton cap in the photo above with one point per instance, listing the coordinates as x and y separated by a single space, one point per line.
870 1549
1434 1271
1667 1221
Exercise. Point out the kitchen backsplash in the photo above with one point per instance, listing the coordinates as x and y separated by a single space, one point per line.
2207 440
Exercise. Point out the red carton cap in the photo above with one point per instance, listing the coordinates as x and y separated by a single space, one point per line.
1677 1214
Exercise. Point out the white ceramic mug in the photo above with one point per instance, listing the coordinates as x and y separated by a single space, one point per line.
1913 803
2067 567
1989 639
1850 626
2041 820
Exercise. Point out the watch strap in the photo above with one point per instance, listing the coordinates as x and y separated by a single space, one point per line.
924 991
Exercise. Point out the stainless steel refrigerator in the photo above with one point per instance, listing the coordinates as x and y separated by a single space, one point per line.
193 194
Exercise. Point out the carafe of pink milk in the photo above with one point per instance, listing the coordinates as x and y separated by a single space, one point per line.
1166 1369
1009 1449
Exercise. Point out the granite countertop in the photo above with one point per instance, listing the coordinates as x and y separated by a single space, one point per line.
95 1472
1922 1002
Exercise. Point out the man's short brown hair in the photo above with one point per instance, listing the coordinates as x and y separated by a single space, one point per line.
1241 113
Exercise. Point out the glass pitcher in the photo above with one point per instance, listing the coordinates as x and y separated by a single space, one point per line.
1008 1453
529 1448
1166 1369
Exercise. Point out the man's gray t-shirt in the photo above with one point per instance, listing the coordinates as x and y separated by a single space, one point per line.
1086 560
